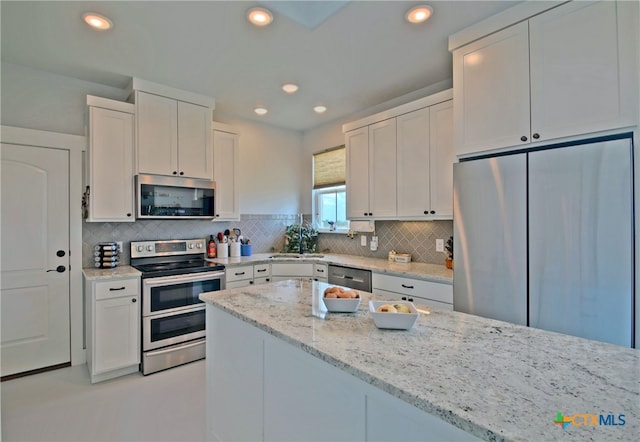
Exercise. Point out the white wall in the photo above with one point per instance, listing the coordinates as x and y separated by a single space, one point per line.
35 99
271 169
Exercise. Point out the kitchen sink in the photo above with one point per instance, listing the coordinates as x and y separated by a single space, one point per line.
295 256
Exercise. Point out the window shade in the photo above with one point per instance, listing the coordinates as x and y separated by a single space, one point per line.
329 168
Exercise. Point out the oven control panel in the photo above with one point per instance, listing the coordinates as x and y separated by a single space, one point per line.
148 249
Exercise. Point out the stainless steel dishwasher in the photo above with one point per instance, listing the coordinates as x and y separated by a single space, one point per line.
349 277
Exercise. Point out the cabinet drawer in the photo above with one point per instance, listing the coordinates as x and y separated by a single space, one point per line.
239 273
239 283
261 270
262 280
117 288
320 271
414 287
284 269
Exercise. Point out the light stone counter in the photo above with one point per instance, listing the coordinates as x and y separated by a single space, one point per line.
418 270
495 380
92 273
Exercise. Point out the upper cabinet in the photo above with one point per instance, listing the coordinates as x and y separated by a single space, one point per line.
400 162
110 161
174 135
226 166
567 71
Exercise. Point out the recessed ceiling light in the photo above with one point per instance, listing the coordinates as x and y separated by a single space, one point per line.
260 110
419 14
290 88
320 109
259 16
97 21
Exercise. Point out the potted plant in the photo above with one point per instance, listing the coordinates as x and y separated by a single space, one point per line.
449 251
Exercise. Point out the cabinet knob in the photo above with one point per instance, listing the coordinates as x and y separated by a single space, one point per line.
370 214
426 212
365 213
128 214
433 212
175 172
60 253
134 300
523 138
181 173
536 136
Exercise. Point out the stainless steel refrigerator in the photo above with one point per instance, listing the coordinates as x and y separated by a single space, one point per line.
545 238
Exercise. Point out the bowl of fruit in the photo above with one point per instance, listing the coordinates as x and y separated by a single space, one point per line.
341 300
397 315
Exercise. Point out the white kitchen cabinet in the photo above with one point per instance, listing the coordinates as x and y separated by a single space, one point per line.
371 171
399 287
400 162
246 275
357 174
174 137
569 71
261 273
110 161
284 270
320 272
425 162
238 276
226 167
382 169
112 327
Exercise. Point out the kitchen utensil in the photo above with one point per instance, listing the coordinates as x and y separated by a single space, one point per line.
220 237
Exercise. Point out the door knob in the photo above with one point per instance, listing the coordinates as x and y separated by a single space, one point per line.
59 269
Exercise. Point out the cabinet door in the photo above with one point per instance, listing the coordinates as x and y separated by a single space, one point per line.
195 145
413 163
491 91
581 80
116 333
157 124
225 173
442 156
382 169
357 150
110 165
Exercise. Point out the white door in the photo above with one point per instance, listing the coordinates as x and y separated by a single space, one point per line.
35 240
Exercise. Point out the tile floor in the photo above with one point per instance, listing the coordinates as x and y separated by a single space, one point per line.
62 405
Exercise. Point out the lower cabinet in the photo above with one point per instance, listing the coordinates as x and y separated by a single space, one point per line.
261 388
397 287
112 327
320 272
283 270
243 276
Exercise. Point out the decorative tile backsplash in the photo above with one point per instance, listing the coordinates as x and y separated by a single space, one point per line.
417 238
266 233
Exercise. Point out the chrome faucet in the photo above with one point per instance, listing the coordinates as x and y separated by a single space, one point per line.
300 248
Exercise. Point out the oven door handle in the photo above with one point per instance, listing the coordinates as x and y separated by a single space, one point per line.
177 279
171 350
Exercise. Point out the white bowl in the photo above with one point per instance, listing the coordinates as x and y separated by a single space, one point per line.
342 305
396 321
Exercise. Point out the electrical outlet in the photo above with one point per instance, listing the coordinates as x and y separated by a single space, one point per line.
363 240
439 245
119 246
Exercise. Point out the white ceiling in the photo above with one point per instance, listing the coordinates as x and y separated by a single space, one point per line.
362 54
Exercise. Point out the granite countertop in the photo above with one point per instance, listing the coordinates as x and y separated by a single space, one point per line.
495 380
418 270
119 272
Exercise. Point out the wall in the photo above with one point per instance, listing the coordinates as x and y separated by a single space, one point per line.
272 171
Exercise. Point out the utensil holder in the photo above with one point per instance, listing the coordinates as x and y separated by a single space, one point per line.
234 249
223 250
245 249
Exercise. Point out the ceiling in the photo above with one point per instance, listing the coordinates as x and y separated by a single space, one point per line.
347 55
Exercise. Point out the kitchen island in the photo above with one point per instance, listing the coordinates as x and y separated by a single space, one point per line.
280 367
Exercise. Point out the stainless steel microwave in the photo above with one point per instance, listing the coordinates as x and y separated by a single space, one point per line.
165 197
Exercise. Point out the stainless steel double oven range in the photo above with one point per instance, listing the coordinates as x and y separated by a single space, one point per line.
174 273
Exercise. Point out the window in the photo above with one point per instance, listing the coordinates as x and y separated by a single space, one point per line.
329 190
